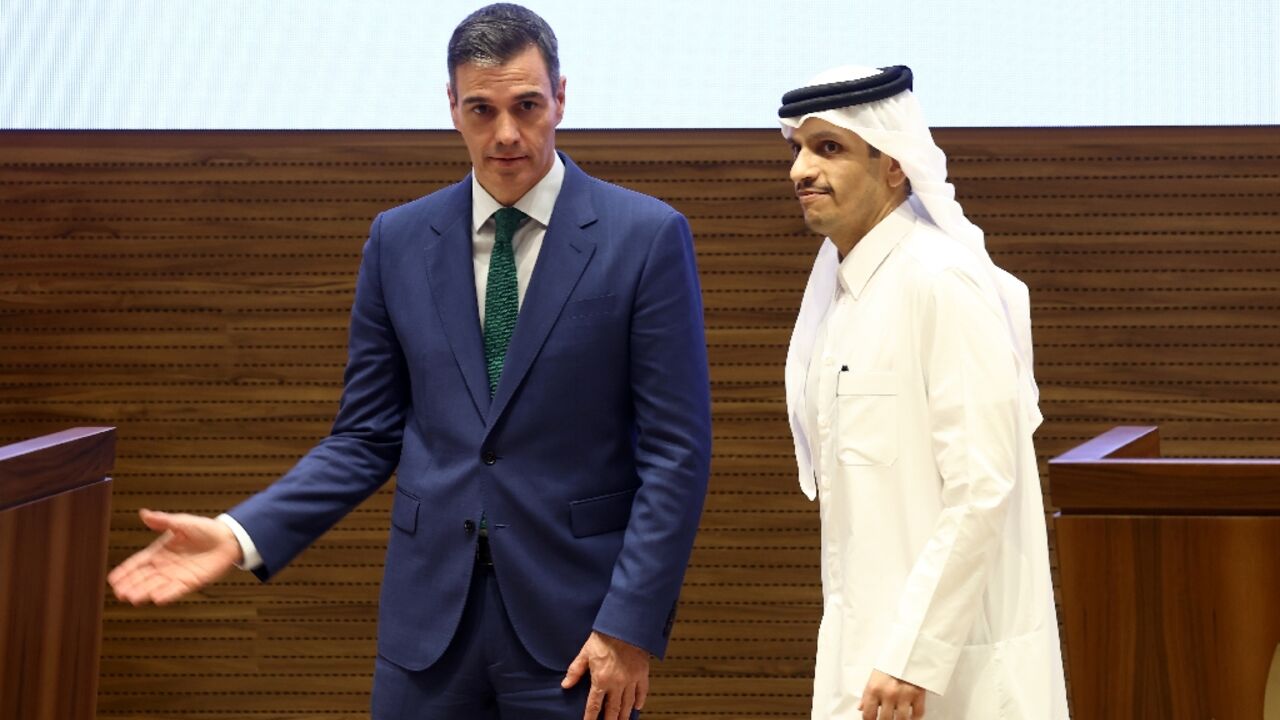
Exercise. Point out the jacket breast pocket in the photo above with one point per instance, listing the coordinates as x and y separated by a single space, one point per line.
589 311
866 418
601 514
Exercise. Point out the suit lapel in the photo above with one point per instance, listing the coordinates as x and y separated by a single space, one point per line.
452 280
566 249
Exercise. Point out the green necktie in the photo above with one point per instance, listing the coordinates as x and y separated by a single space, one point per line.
501 295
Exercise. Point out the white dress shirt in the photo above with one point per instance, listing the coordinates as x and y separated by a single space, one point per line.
527 242
934 555
537 204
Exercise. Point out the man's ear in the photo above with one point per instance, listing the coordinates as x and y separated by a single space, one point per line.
453 104
559 94
896 176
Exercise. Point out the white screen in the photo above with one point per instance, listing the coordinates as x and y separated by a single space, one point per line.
260 64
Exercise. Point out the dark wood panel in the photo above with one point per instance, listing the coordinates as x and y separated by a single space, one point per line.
53 464
1146 634
1168 486
52 571
194 289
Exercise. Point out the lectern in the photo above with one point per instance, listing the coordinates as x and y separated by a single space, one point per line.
1170 577
55 504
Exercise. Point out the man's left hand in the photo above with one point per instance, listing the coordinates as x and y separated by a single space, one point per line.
888 698
619 677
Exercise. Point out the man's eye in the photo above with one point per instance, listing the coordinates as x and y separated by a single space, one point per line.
528 105
830 148
479 109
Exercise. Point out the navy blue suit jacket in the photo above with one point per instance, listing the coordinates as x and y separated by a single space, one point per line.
590 461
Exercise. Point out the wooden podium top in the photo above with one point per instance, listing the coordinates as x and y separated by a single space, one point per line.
49 465
1121 472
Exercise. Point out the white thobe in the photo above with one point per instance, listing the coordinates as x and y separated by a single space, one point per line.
906 411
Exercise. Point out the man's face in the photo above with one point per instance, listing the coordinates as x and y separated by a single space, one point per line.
843 190
507 115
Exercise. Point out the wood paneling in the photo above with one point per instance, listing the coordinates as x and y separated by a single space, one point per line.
46 466
1175 622
1122 472
193 288
55 502
1178 619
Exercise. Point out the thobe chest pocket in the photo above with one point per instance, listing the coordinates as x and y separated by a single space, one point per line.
866 418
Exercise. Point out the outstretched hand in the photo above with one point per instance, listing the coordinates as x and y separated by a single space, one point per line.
191 552
619 677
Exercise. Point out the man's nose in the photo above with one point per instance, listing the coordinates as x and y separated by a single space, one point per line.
507 132
802 170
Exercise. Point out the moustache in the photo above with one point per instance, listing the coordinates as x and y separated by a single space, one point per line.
811 188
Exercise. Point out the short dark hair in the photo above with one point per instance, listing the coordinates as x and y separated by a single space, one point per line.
496 33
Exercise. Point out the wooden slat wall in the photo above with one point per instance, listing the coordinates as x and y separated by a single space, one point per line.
193 289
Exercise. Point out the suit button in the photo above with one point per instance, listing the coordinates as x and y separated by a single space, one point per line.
468 526
489 458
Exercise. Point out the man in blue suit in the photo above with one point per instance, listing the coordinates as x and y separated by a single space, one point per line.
527 348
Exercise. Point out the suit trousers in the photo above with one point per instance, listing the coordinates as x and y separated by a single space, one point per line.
485 674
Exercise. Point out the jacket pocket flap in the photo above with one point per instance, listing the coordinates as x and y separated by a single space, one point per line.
404 512
601 514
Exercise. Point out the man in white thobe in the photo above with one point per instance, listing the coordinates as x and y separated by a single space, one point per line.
912 404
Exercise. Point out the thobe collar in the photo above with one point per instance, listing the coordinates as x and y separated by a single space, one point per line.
867 255
537 203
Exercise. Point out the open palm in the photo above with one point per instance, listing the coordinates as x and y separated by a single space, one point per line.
191 552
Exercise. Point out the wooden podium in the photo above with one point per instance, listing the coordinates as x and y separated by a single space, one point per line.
1170 579
55 505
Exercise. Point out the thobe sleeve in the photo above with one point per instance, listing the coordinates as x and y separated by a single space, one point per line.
970 382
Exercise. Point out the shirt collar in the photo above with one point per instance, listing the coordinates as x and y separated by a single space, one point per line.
861 263
537 203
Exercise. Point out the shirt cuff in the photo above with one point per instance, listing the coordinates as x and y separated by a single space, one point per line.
252 560
919 659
